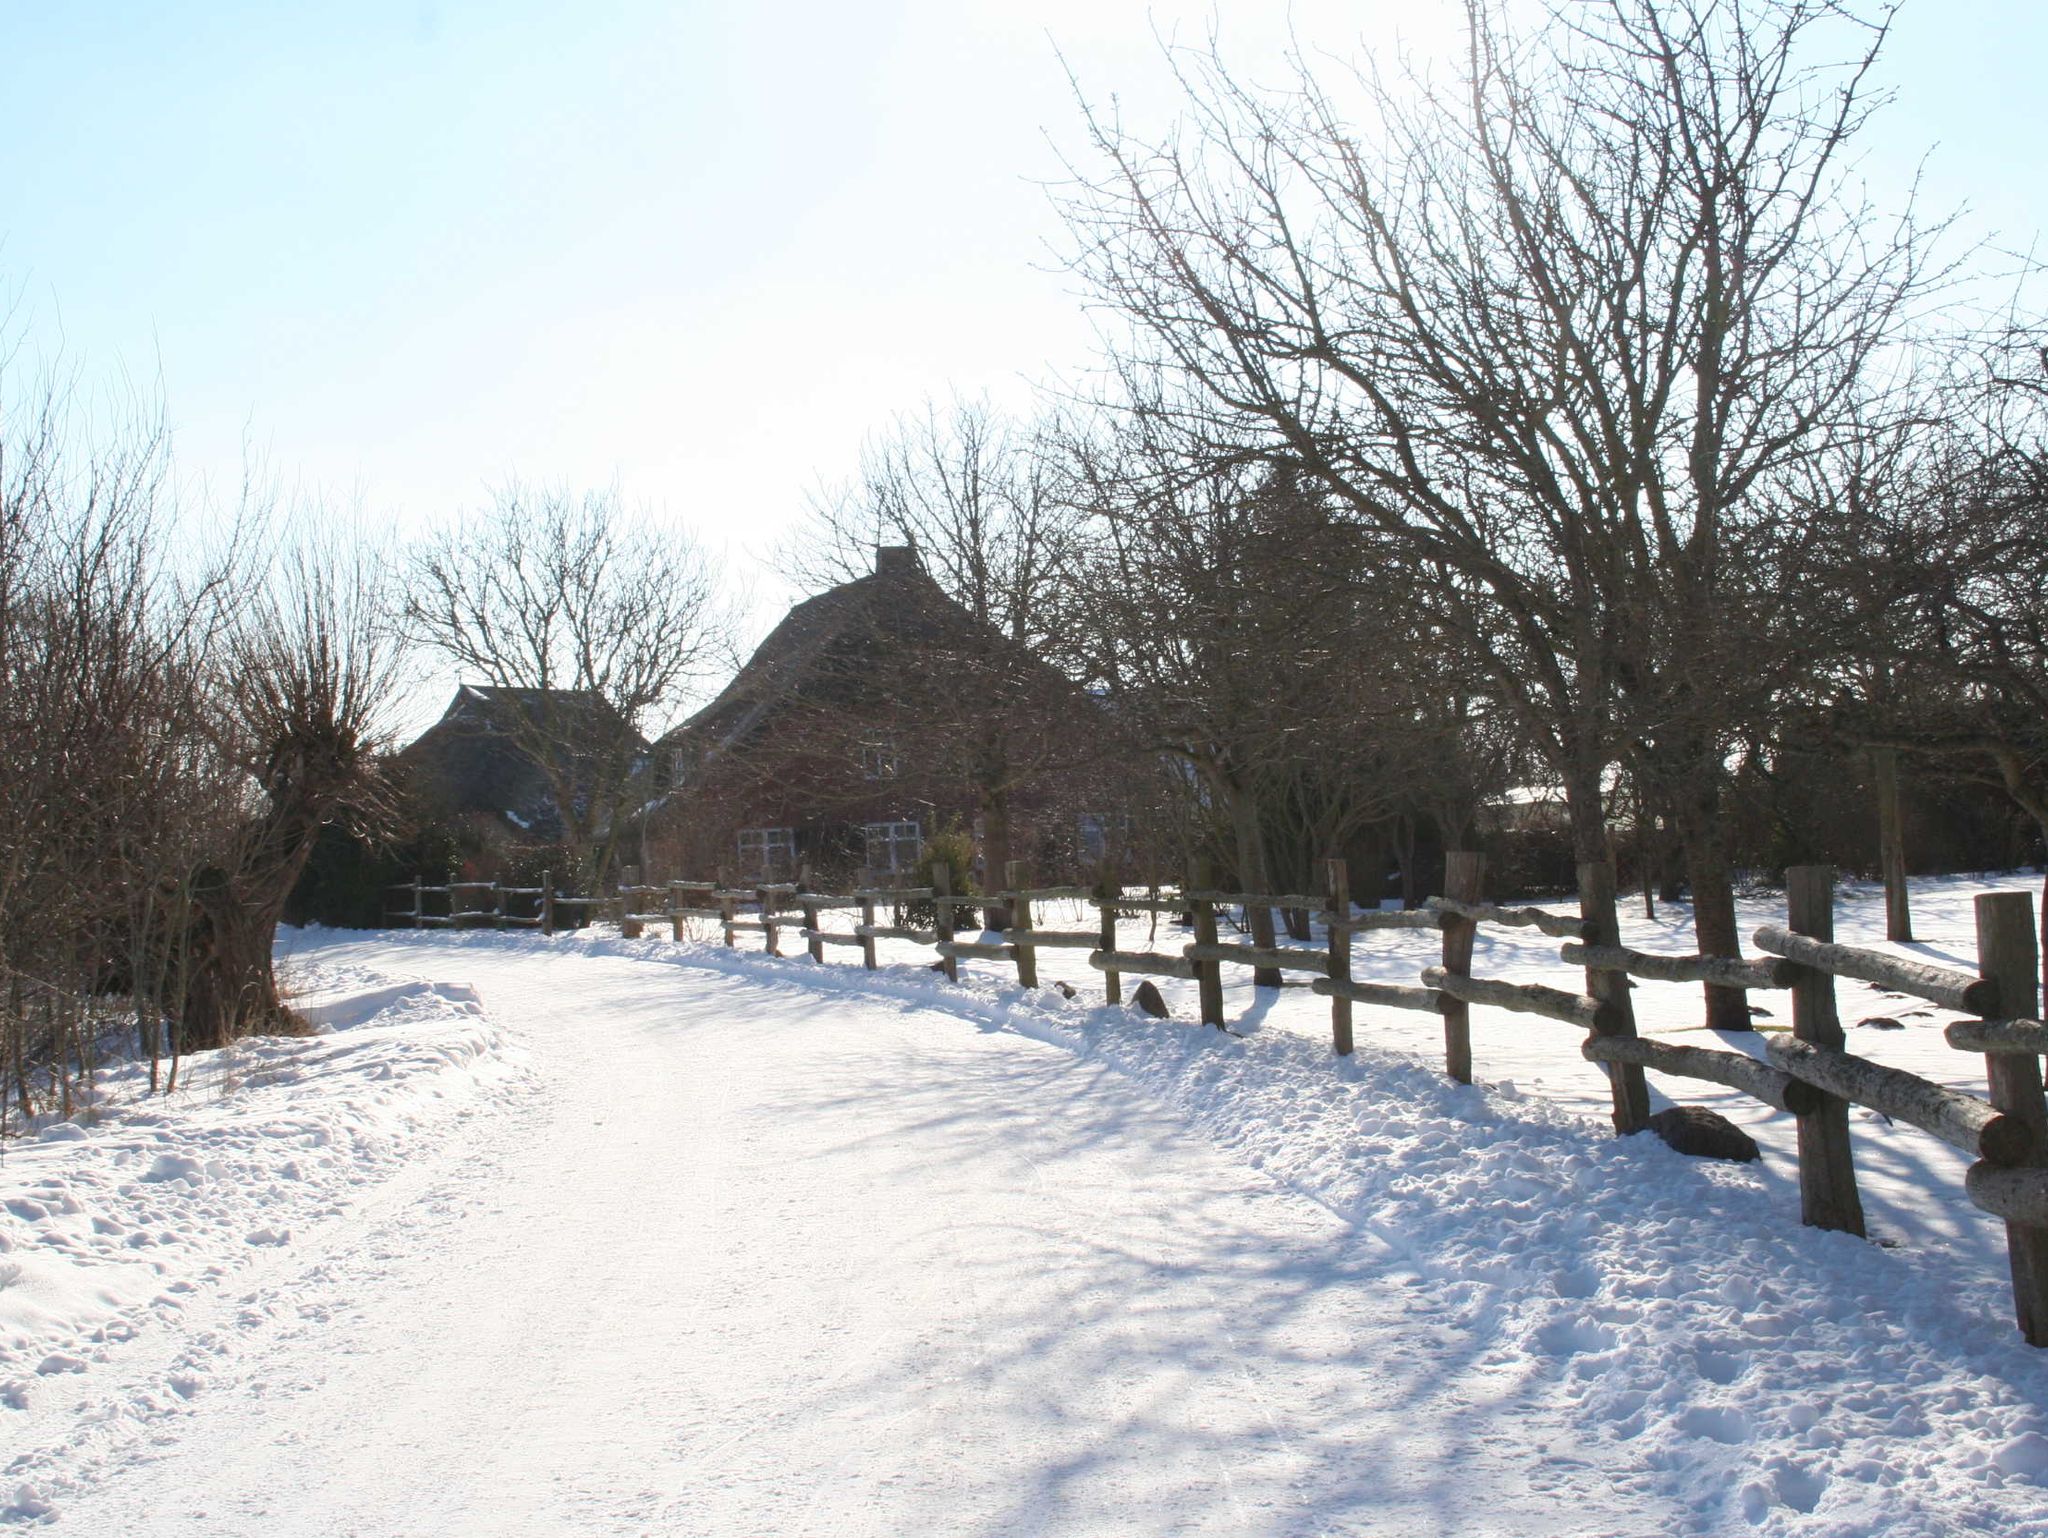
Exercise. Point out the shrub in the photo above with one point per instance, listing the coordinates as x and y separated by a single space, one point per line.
951 851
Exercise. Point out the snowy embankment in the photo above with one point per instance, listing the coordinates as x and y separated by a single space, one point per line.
119 1218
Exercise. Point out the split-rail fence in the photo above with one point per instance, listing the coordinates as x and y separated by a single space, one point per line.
1807 1073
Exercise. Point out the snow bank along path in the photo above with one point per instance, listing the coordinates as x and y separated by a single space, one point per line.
759 1248
122 1224
1911 1183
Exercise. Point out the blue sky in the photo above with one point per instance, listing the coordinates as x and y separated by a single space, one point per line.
402 251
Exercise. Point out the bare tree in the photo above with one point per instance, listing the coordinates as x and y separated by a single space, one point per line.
304 679
1246 628
985 499
104 784
174 728
591 620
1948 568
1585 330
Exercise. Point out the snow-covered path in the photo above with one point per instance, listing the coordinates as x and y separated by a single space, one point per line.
741 1260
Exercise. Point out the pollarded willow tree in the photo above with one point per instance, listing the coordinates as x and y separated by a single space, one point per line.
302 679
1586 329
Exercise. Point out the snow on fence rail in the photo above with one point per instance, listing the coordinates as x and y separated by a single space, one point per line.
1810 1075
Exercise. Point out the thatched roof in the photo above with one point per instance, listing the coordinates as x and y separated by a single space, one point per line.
475 758
836 649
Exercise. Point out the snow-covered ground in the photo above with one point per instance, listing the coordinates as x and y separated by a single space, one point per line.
671 1239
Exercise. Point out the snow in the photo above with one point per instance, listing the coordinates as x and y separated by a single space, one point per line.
122 1217
601 1236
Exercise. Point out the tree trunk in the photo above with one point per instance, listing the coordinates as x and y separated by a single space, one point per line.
995 850
1254 874
1367 866
231 987
1404 860
1670 885
2044 930
230 984
1891 844
1703 850
1586 808
1646 850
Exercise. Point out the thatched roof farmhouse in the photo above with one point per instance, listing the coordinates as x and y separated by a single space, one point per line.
875 714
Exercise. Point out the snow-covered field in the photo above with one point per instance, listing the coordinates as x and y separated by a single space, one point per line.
593 1236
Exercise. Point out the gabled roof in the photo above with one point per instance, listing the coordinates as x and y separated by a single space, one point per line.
475 758
570 713
828 647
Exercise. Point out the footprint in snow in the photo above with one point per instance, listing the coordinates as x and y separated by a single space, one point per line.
1716 1423
1719 1366
1801 1489
1572 1337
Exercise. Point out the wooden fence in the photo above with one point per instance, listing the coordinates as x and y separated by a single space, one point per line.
485 904
1808 1073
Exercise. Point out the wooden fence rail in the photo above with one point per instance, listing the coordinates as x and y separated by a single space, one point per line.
1809 1074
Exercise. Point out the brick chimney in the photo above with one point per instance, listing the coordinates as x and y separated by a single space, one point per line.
896 560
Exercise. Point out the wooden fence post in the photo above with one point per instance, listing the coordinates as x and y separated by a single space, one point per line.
1208 974
1337 903
675 910
547 902
2009 955
727 911
1827 1168
807 915
1464 881
1017 876
497 905
942 917
867 924
770 933
418 903
812 941
1599 910
1105 904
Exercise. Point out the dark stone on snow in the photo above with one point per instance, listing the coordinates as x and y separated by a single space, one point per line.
1704 1134
1067 990
1146 997
937 966
1758 1009
1882 1023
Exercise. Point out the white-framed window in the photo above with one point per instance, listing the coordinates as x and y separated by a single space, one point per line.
879 760
1099 830
767 851
893 846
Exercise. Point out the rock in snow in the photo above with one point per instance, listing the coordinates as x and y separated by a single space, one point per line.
1704 1134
